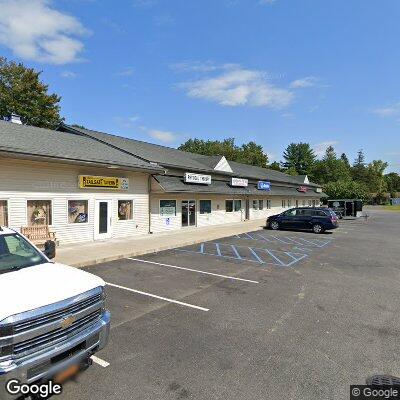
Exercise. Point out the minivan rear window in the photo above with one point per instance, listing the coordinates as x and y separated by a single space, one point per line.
320 213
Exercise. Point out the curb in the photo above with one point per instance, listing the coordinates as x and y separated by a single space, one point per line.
89 263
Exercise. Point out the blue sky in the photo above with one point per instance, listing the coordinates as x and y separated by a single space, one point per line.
323 72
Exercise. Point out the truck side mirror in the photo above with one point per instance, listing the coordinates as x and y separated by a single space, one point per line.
50 249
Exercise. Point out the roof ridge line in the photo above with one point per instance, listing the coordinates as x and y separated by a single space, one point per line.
79 132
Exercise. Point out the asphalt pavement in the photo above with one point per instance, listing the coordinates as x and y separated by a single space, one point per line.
260 315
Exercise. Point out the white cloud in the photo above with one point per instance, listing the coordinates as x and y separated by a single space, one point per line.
194 66
388 111
35 30
127 122
163 136
306 82
271 157
236 86
68 75
127 71
320 148
134 118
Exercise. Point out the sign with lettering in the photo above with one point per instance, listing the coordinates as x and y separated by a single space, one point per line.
103 182
197 178
167 208
302 189
239 182
264 185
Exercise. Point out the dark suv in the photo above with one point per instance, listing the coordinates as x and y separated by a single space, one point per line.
317 219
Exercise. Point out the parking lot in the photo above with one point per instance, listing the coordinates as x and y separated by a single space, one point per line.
259 315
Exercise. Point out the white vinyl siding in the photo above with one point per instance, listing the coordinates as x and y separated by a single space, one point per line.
21 181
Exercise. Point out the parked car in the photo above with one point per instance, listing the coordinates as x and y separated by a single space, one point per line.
317 219
52 316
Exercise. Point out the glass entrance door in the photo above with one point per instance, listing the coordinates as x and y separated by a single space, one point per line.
188 212
102 229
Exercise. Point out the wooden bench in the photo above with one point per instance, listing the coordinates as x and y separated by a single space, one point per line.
39 234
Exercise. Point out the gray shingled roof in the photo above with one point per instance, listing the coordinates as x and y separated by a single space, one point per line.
170 157
162 155
29 140
251 171
176 184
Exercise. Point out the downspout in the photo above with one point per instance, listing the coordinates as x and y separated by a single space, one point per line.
149 200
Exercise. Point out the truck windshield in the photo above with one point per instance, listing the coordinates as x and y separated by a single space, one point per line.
17 253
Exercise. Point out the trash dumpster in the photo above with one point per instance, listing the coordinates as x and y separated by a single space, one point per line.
346 207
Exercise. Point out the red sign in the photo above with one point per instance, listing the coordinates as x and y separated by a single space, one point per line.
302 189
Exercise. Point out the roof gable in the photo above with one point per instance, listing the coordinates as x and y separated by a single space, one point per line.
223 165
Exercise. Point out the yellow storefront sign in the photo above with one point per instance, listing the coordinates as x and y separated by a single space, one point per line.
103 182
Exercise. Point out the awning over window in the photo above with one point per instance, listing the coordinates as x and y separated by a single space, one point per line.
176 184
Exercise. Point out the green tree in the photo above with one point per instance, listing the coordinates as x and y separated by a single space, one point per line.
330 168
345 160
299 157
249 153
376 180
22 92
253 154
275 166
359 170
392 182
346 190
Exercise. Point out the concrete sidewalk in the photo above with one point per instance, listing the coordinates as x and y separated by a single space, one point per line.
83 254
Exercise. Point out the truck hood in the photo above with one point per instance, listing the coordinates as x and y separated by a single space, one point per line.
41 285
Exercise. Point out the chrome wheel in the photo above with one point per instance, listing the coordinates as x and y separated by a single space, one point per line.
317 228
274 225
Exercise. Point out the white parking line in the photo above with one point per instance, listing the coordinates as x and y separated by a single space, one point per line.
193 270
158 297
99 361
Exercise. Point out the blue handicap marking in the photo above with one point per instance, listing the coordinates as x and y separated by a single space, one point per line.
247 253
299 246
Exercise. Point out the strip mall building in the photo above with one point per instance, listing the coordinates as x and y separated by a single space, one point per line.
88 185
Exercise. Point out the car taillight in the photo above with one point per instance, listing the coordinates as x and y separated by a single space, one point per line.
334 219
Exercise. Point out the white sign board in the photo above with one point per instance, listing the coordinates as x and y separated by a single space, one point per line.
318 190
197 178
239 182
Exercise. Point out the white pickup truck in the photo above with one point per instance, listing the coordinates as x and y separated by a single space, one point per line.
52 317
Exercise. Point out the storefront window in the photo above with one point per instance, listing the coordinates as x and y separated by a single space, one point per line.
205 206
167 208
228 205
238 205
261 205
77 211
3 213
255 204
268 204
125 210
289 203
283 203
39 212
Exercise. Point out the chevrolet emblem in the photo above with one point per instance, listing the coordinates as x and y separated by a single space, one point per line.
67 322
